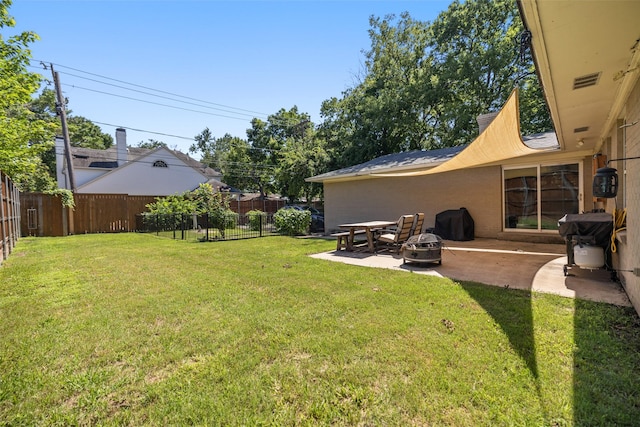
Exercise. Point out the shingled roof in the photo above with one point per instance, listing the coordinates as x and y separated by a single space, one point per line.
398 162
107 159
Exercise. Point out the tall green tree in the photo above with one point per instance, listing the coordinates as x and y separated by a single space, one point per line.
289 150
277 155
23 136
425 83
82 131
231 156
213 150
302 155
476 46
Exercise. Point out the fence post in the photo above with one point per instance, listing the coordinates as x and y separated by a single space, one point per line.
173 225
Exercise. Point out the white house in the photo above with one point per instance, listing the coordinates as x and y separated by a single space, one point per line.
131 170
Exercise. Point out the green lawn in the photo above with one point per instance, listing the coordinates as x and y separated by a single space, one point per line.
132 329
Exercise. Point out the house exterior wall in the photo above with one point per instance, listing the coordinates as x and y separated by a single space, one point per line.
626 143
478 190
141 178
84 175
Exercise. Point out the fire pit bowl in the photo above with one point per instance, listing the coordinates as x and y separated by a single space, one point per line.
424 247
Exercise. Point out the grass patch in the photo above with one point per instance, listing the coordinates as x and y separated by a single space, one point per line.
131 329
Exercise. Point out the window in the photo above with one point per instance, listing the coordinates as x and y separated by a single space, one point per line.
536 197
160 164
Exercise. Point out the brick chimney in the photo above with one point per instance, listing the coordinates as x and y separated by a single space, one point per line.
121 146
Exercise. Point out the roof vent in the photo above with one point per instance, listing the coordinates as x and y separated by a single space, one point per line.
582 129
586 81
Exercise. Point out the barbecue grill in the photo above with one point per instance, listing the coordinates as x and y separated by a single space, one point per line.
588 238
424 247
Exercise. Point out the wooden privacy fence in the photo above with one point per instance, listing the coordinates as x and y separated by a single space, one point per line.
9 216
44 215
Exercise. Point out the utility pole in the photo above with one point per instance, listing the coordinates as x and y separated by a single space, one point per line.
60 109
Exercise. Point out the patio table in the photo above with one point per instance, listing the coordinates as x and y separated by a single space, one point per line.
368 227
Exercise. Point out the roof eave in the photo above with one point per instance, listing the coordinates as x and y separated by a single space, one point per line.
354 176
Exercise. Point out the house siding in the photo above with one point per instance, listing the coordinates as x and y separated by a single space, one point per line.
140 178
478 190
627 257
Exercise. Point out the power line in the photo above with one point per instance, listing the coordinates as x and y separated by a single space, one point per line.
158 96
154 103
145 131
282 121
148 88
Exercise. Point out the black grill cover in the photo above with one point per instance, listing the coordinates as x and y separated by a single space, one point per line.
596 224
455 225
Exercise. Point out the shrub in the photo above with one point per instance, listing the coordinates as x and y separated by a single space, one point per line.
292 222
257 219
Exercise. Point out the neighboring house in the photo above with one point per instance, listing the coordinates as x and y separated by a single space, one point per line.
133 171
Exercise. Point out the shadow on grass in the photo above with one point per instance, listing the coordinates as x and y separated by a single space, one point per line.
606 377
512 311
606 371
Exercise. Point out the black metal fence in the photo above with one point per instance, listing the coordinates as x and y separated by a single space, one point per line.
204 228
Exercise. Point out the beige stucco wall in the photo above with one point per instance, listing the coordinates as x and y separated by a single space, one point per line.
628 255
478 190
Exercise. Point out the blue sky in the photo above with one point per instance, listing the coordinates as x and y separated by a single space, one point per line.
235 59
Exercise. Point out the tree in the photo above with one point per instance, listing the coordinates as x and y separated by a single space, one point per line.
82 131
213 150
151 144
476 48
288 149
229 155
302 156
23 136
201 201
425 83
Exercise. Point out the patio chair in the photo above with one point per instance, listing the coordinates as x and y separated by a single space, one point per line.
394 239
416 228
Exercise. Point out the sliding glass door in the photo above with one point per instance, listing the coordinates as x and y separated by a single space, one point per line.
536 197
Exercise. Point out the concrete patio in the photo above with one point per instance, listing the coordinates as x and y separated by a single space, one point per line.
517 265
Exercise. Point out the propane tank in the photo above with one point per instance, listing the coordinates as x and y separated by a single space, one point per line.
587 256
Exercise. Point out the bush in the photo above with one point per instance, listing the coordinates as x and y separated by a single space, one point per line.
292 222
231 219
257 219
222 219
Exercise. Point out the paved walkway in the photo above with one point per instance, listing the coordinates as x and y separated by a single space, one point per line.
517 265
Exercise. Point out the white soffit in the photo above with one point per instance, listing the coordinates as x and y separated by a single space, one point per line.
578 39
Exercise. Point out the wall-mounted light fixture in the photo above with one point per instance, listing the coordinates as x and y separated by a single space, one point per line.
605 181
